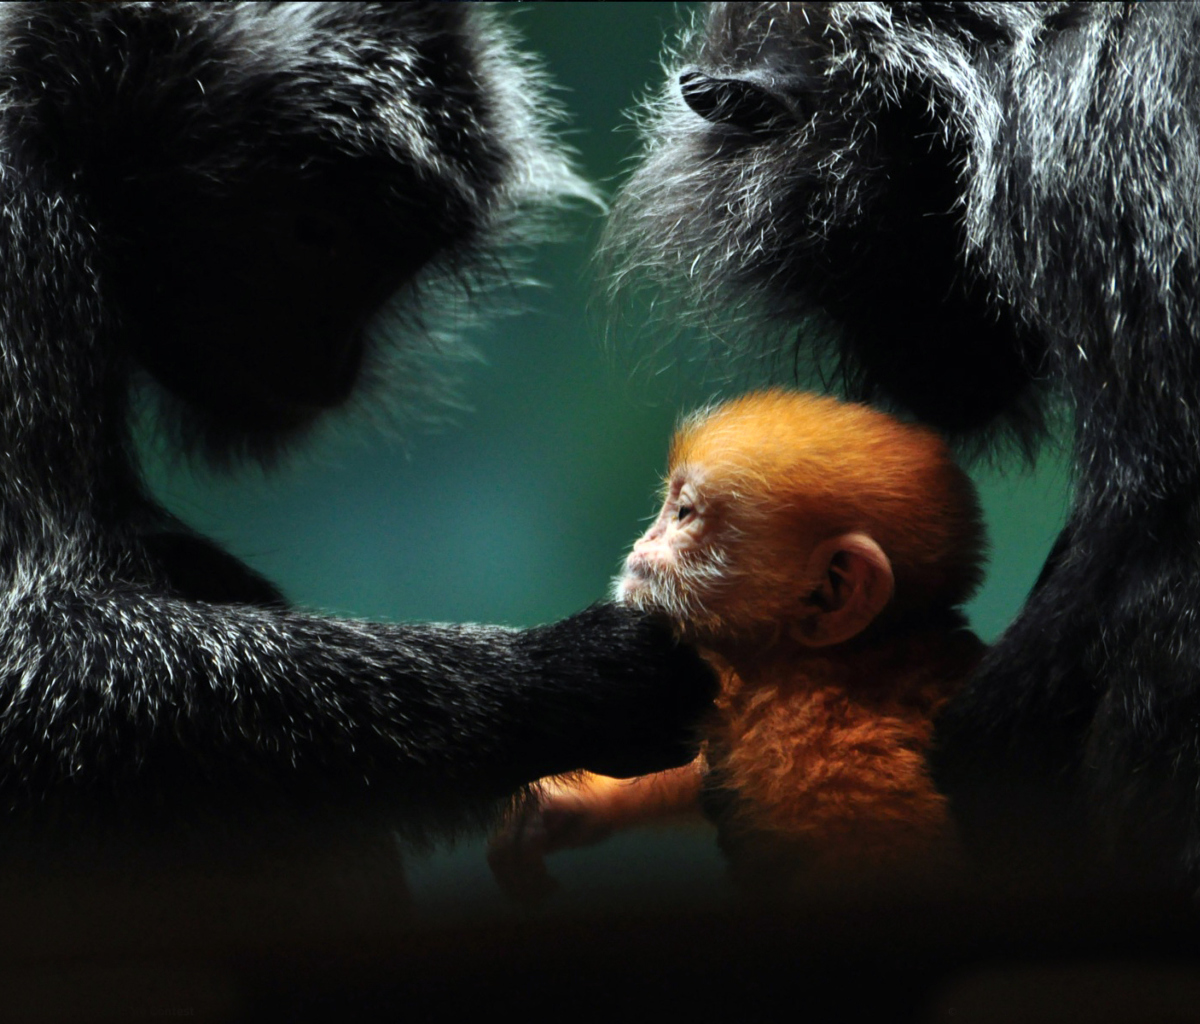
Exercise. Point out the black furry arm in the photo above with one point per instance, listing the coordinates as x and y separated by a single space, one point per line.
115 690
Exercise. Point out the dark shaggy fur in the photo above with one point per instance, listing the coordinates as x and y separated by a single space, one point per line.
217 197
989 203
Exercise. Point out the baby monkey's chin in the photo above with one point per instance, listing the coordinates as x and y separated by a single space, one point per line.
647 594
634 585
640 591
632 589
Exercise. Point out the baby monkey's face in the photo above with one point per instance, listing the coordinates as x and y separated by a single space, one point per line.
671 568
782 514
736 567
695 563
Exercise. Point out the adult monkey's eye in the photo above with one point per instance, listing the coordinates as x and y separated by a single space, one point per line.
736 102
684 512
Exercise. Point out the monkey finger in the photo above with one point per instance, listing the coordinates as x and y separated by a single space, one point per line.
516 857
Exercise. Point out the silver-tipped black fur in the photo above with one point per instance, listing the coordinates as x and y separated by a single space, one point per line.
218 197
988 204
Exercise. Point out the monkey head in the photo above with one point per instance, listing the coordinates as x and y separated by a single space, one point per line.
804 169
288 194
797 515
699 565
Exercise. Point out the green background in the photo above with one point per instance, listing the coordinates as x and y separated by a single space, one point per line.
520 511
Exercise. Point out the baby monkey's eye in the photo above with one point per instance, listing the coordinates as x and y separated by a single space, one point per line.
685 512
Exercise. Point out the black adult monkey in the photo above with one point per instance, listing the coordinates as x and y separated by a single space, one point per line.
988 203
218 197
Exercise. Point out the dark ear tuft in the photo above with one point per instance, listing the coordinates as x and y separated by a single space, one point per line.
737 102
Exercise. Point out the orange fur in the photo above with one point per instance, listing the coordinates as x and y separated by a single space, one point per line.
823 754
624 803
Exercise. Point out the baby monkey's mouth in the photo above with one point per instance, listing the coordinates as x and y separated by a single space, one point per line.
630 586
645 586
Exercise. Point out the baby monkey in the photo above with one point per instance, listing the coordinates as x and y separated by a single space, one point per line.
817 552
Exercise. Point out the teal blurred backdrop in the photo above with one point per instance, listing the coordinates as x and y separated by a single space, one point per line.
520 511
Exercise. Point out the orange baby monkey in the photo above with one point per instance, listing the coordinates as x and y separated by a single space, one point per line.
817 552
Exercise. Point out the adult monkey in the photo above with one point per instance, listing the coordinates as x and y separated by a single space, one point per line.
982 200
219 197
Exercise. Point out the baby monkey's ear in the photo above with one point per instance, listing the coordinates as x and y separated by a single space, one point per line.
853 584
